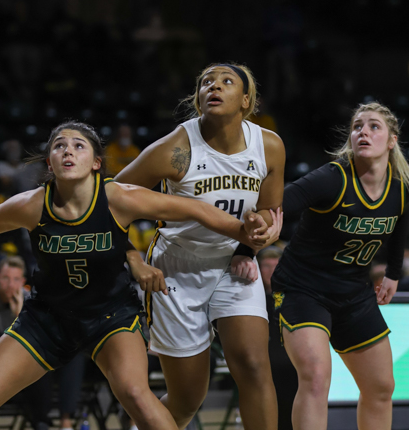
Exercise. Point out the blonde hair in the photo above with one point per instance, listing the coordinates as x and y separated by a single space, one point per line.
191 102
400 167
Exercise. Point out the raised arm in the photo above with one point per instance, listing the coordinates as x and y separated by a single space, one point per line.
22 210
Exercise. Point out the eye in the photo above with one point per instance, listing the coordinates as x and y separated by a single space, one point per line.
80 145
375 126
206 81
58 145
357 126
228 81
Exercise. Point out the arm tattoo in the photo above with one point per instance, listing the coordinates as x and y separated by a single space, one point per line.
181 159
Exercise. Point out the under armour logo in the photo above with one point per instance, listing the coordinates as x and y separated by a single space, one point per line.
203 166
251 165
171 288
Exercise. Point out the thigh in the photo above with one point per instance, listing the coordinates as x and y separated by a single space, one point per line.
295 310
235 296
245 344
179 322
309 351
371 367
243 336
42 334
18 368
357 325
123 360
121 318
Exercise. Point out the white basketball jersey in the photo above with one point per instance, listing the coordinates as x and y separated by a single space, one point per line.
229 182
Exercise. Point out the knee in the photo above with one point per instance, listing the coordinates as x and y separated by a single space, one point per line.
184 405
131 396
315 378
250 366
380 390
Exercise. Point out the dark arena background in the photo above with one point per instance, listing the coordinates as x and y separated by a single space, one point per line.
123 66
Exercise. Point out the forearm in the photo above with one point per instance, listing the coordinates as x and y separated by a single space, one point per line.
219 221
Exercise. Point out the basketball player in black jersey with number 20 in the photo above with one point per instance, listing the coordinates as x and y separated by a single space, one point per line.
82 299
322 290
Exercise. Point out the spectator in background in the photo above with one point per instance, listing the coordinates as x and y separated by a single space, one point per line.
121 151
12 281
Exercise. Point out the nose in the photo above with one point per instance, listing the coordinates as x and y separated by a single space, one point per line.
364 129
215 86
67 151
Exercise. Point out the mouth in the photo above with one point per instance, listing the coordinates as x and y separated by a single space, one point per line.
214 100
363 143
68 164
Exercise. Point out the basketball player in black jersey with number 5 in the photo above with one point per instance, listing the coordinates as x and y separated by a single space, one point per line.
322 290
82 299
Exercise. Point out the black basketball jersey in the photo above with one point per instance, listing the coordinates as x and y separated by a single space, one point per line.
335 242
80 262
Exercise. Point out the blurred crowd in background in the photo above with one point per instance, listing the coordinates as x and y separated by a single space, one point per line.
124 65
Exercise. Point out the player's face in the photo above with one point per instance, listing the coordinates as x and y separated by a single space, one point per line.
221 92
370 136
72 156
11 281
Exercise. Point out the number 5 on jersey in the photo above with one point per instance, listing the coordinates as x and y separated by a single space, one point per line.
77 276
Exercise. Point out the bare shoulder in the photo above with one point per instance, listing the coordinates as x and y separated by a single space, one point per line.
274 149
175 149
272 140
168 157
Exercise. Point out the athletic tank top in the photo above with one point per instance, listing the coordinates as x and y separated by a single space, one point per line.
229 182
333 246
80 262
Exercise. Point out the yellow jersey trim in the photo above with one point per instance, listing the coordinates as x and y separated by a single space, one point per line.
125 230
33 352
366 343
294 327
341 196
148 296
402 192
105 338
83 218
359 193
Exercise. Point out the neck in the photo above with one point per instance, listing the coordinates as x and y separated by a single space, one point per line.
372 176
224 135
71 199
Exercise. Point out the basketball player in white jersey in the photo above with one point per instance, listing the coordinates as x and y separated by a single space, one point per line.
222 159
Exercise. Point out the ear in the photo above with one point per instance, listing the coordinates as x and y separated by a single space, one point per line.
392 141
97 163
246 101
50 169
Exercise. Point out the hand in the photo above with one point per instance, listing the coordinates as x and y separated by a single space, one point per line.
16 302
257 229
386 291
245 267
149 278
275 230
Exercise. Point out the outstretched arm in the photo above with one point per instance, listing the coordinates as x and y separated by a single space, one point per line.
130 202
22 210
